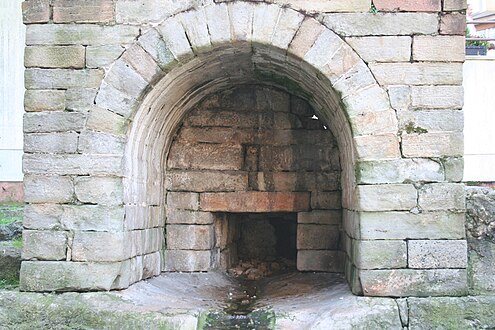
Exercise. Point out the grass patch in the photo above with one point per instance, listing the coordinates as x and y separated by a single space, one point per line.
17 243
9 283
11 213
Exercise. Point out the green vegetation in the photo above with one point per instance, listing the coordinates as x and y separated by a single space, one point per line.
478 43
11 213
410 128
17 243
9 283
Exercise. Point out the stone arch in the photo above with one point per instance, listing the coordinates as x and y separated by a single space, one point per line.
196 53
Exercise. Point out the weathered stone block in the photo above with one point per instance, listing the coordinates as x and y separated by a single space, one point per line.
187 261
115 100
454 168
102 55
440 97
206 181
143 63
146 11
253 201
399 171
432 121
453 5
437 254
371 100
414 282
44 100
305 37
56 121
330 200
100 143
414 5
151 265
183 201
442 196
329 217
190 237
382 122
453 24
73 164
242 14
452 312
381 24
404 225
320 261
75 11
416 74
54 57
102 120
62 78
317 237
80 34
70 276
44 245
126 79
194 23
189 217
382 49
36 11
175 38
376 147
327 6
433 145
80 99
481 256
57 143
10 263
152 42
205 156
48 189
99 190
432 48
100 246
400 97
298 158
388 197
379 254
287 26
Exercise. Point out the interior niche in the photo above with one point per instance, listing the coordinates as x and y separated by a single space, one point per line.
253 175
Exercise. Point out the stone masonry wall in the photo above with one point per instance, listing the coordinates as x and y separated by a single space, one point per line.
253 140
108 83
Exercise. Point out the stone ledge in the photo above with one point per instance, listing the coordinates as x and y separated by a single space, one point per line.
256 202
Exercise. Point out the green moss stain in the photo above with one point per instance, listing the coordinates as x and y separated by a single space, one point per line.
411 128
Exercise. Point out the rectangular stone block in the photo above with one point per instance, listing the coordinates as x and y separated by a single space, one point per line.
103 120
330 200
433 145
205 156
153 43
54 57
414 5
481 256
432 48
382 49
329 217
175 37
437 254
100 246
318 237
399 171
183 201
76 11
56 143
100 143
297 181
453 24
36 11
190 237
298 158
197 181
189 217
442 196
405 225
381 24
414 282
320 261
80 34
376 147
52 276
72 164
110 98
44 100
56 121
387 197
228 118
102 55
452 5
254 201
62 78
417 74
151 265
48 189
99 190
437 97
187 261
432 121
44 245
379 254
80 99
